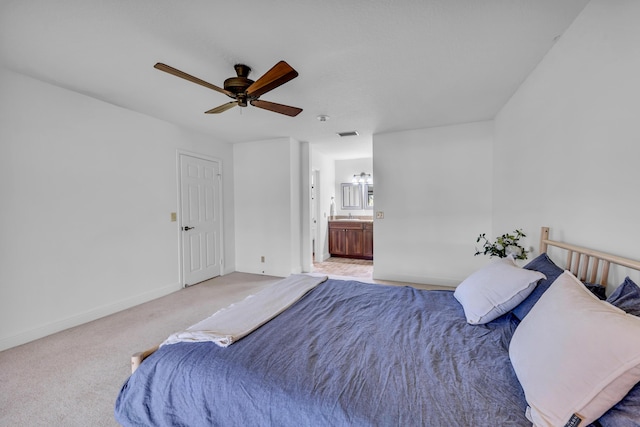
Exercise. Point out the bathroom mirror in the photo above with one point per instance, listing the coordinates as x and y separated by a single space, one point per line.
351 196
368 196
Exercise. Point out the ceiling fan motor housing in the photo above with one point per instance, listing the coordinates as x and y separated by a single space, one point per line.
238 85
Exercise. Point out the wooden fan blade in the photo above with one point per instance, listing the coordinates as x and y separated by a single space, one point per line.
173 71
278 75
222 108
277 108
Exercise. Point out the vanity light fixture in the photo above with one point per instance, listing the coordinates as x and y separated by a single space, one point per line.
363 178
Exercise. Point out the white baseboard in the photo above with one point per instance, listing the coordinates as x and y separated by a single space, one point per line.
84 317
228 270
437 281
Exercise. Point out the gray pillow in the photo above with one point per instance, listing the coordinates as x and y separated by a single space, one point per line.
625 413
544 265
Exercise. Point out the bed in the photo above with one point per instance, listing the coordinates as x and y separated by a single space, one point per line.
492 352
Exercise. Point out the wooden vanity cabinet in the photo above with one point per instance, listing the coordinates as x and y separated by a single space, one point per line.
337 243
367 240
351 239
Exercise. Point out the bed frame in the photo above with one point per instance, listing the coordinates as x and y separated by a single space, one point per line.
137 358
579 260
582 262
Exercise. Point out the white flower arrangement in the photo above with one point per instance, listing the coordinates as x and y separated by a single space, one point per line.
505 245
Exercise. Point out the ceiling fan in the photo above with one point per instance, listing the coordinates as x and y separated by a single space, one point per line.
244 90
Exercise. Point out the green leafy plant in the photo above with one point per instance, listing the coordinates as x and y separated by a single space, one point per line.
505 245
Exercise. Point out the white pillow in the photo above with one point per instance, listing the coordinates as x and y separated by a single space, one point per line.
495 289
575 356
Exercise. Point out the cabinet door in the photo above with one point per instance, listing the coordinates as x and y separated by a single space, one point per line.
337 243
367 242
353 240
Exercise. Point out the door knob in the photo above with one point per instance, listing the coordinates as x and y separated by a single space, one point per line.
187 228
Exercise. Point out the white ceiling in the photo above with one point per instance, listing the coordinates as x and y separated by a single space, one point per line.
373 66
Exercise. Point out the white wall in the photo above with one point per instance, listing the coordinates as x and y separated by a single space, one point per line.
87 189
435 189
567 145
268 206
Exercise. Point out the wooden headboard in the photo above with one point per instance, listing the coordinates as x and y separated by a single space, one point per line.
587 264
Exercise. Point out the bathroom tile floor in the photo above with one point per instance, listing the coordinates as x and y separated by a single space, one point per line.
361 270
335 266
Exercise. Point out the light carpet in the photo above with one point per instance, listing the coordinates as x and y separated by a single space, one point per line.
72 378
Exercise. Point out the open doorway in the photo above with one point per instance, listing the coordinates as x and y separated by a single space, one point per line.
334 162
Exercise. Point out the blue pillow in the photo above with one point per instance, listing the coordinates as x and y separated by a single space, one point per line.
544 265
625 413
626 297
597 290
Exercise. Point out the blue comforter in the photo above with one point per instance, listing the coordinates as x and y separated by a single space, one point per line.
347 353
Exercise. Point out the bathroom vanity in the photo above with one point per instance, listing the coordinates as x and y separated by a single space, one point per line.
351 238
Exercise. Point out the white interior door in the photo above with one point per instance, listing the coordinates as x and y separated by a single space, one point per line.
201 224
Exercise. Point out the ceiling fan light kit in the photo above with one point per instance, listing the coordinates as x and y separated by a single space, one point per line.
243 90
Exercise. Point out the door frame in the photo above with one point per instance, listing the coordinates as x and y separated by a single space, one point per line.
318 249
200 156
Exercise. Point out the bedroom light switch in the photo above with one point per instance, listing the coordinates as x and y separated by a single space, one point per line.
173 217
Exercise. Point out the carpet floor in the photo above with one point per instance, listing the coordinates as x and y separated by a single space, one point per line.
72 378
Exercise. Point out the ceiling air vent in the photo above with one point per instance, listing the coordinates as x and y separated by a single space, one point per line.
350 133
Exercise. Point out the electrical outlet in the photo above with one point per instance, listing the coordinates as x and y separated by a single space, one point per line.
174 217
262 259
379 215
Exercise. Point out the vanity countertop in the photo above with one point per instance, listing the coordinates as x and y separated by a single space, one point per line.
354 219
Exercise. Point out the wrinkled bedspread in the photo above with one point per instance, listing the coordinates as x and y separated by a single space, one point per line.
347 353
